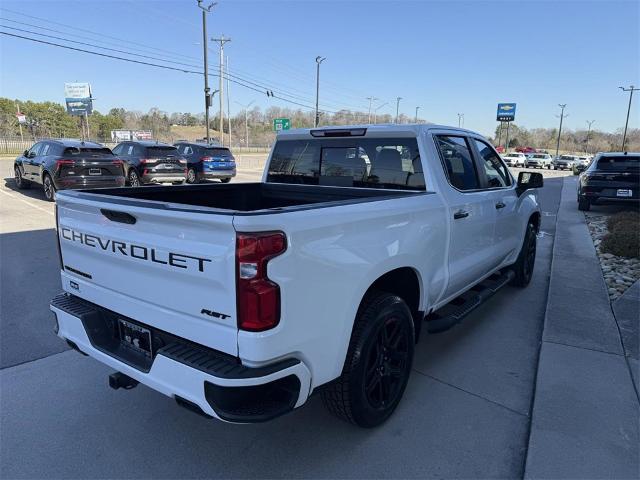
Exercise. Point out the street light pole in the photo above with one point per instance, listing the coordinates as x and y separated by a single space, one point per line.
319 60
371 99
375 111
246 121
562 115
631 89
416 119
589 122
221 41
460 120
397 107
207 98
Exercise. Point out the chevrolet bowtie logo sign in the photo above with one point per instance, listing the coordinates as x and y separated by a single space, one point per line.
506 112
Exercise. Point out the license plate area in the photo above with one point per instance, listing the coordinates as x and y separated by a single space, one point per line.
95 171
624 192
135 338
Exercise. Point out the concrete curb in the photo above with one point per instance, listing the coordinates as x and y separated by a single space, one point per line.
585 411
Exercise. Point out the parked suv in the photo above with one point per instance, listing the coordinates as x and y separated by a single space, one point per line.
564 161
62 164
610 178
206 161
151 162
515 159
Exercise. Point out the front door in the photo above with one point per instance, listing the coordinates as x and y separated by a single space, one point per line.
472 214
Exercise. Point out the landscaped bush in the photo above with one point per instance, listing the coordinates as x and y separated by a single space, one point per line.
623 238
613 220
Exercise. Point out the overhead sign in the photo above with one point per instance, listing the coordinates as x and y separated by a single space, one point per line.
281 124
78 98
506 112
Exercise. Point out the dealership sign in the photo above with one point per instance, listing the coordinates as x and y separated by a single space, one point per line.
78 98
127 135
506 112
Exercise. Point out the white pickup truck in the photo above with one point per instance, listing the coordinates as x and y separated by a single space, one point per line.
242 300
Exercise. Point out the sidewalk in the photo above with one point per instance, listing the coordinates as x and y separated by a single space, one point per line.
585 413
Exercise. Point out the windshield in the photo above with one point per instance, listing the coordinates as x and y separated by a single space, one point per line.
539 156
349 162
566 157
219 152
84 150
619 164
161 151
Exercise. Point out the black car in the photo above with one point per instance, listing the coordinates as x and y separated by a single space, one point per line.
151 162
206 161
610 178
62 164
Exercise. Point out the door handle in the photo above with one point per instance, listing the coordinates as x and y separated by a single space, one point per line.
460 214
500 205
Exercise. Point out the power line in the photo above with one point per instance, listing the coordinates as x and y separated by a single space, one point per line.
166 67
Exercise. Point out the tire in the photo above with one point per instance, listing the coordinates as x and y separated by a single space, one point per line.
49 188
584 204
133 178
192 176
378 363
523 268
225 180
21 183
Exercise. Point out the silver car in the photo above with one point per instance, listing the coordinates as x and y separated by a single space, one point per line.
564 162
539 160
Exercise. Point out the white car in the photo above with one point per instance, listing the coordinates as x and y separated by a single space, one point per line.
564 162
242 300
515 159
539 160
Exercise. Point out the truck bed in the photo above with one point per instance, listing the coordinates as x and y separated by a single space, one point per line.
244 198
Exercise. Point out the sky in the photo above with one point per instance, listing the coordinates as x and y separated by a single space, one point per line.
446 57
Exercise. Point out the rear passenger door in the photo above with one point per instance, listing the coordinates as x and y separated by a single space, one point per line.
500 187
471 212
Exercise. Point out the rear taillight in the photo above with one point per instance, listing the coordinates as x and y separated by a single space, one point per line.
258 298
206 159
60 163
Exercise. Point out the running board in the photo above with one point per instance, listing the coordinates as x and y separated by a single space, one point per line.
453 312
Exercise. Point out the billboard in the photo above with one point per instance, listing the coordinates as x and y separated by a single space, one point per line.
127 135
78 98
506 112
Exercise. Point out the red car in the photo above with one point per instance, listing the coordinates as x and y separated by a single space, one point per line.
526 150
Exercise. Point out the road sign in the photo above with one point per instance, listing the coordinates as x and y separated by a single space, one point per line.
281 124
22 118
506 112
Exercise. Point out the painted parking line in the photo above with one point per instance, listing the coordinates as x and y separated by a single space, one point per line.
25 201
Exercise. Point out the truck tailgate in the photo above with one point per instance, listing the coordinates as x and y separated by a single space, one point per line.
174 272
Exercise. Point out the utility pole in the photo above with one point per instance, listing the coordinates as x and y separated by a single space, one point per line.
588 135
562 115
207 97
416 119
371 99
460 120
221 41
398 107
319 60
246 121
19 124
228 103
375 111
631 89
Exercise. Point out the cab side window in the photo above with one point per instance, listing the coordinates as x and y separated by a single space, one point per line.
44 150
496 171
458 162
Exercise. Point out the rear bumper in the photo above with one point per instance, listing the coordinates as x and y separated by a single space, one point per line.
216 383
217 174
171 177
65 183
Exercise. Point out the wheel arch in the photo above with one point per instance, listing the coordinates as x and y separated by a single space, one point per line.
535 218
405 283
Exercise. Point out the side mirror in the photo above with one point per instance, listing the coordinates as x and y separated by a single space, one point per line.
25 153
527 180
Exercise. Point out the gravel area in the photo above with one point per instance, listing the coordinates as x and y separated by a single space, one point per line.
619 272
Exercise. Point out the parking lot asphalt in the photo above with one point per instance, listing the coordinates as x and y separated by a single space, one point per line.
466 411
